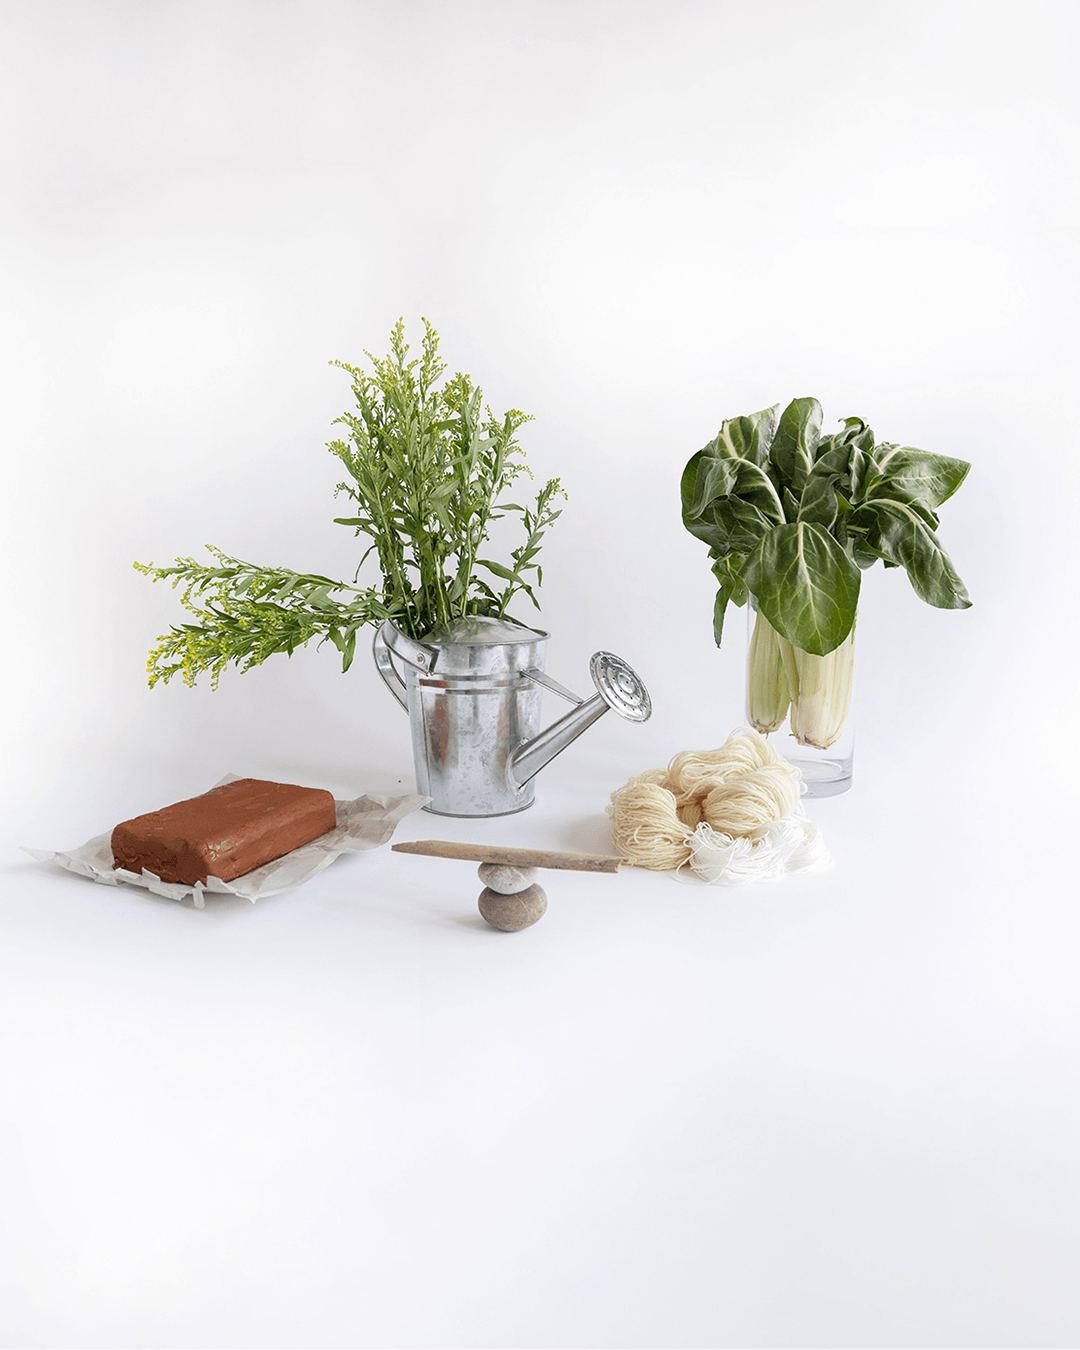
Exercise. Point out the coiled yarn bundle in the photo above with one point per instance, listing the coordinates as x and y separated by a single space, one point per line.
729 815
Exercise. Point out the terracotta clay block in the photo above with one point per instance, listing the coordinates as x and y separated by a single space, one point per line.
226 832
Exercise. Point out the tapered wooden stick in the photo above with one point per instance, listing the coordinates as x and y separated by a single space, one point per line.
512 857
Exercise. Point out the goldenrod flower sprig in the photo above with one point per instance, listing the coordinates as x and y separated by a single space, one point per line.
427 464
248 613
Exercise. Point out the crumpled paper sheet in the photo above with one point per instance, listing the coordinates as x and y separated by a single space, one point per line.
364 823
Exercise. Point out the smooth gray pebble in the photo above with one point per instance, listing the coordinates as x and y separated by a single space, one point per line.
505 879
511 913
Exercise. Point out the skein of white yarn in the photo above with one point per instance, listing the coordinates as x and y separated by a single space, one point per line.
729 816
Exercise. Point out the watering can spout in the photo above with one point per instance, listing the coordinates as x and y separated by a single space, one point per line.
617 687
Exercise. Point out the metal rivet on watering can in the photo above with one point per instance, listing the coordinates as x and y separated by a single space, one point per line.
511 900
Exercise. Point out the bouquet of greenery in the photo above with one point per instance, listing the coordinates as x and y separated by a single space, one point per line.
427 463
790 517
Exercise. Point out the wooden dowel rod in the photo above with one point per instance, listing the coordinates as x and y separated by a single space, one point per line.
511 857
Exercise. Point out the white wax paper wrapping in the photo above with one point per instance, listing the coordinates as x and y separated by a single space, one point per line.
364 823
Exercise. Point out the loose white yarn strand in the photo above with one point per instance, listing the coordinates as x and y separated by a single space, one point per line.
792 844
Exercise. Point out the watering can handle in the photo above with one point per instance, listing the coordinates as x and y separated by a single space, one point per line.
389 639
538 677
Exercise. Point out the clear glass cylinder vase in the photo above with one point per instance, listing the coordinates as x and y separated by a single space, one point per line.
804 703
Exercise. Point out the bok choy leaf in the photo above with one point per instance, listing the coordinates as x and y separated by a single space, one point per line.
805 585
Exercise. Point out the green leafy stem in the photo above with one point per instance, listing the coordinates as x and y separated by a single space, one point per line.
427 464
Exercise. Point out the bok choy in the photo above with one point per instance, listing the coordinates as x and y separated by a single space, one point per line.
790 517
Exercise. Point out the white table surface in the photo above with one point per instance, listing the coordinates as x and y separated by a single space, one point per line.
833 1110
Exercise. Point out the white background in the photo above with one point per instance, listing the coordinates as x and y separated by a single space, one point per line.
831 1111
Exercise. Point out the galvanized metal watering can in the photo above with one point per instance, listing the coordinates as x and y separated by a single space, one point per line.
472 692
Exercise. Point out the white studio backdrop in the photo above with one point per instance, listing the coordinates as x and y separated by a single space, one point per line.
629 219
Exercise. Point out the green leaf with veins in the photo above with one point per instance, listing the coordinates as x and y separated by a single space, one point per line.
732 492
805 585
848 464
746 437
795 443
732 590
901 534
715 513
820 504
918 474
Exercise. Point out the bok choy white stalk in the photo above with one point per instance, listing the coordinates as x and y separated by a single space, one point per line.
817 689
768 694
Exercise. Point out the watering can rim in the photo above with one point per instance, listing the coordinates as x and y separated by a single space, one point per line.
509 631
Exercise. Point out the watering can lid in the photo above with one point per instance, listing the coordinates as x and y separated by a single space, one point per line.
476 630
